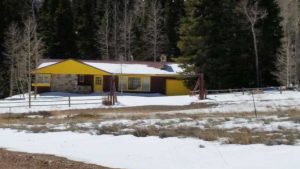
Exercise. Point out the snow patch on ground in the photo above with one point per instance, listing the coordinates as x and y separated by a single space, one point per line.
151 152
230 102
59 101
259 125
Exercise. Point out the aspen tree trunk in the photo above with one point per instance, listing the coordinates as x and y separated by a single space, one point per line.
36 49
107 30
297 43
253 14
29 63
115 30
155 31
288 61
125 29
256 55
11 79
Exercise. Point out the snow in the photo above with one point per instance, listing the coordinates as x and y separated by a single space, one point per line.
116 68
59 101
50 101
231 102
158 100
45 64
237 102
259 125
151 152
136 68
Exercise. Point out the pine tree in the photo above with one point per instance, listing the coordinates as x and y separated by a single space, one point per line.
104 30
85 26
174 11
55 23
269 41
213 41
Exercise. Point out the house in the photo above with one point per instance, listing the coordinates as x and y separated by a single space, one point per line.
86 76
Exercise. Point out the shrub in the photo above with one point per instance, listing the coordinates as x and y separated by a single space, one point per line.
106 102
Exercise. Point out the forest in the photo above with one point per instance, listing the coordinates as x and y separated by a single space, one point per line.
235 43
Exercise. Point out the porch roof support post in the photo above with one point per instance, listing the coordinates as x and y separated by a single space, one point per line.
201 87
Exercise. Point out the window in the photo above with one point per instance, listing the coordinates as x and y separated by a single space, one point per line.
43 78
81 79
138 84
98 81
134 83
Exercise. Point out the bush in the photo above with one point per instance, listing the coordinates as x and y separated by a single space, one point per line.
107 102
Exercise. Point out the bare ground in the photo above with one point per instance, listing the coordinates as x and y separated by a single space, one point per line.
17 160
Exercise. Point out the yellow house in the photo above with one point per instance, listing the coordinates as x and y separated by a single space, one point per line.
86 76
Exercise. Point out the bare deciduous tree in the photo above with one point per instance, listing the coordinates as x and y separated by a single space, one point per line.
116 28
288 59
32 50
154 34
23 50
12 46
130 16
103 33
125 28
253 14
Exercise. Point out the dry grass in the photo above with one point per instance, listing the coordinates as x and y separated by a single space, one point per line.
242 136
209 133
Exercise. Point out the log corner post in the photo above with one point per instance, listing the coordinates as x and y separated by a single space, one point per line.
201 86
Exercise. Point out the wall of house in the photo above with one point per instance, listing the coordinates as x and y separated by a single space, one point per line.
158 85
176 87
68 83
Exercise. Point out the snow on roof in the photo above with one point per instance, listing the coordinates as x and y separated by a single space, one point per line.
152 68
45 64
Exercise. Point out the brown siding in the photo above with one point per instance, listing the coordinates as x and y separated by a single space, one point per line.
42 89
106 82
158 85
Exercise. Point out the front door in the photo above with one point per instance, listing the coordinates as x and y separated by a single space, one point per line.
98 83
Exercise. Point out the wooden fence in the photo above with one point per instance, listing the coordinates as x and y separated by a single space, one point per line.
62 101
245 90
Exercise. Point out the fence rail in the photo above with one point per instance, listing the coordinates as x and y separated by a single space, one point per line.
75 101
243 90
61 101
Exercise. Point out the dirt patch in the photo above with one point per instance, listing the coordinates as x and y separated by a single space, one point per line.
17 160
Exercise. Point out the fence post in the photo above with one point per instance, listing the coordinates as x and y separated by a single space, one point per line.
280 89
254 105
243 91
29 99
35 92
202 87
69 98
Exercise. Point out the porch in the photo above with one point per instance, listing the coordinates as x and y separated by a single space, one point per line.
70 83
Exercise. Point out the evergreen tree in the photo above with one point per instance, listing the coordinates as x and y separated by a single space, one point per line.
10 11
269 41
55 23
212 41
174 11
85 23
